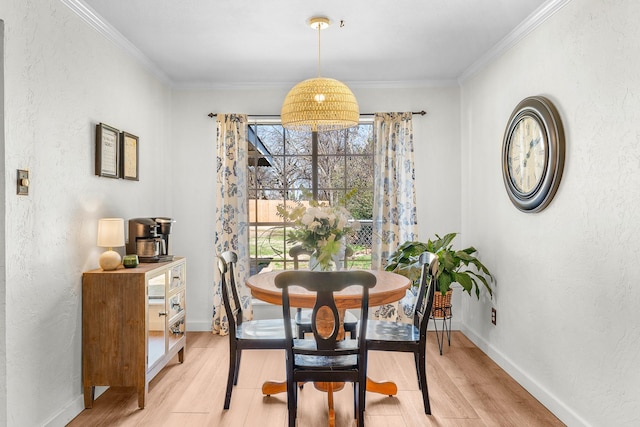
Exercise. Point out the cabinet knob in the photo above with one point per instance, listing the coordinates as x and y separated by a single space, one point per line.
162 313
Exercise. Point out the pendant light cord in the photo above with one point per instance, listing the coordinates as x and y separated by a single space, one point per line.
319 29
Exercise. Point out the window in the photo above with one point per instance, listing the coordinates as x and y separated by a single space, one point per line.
296 166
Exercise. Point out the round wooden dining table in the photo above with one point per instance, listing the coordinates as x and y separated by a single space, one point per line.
390 287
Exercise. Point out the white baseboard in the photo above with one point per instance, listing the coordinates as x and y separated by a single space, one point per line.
198 326
72 410
551 402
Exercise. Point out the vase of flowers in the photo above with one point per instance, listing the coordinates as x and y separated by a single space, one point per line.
320 229
314 263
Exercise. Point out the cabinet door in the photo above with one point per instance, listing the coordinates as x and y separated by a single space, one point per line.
157 312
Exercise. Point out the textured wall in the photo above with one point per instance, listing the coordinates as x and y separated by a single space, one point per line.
567 295
61 78
3 282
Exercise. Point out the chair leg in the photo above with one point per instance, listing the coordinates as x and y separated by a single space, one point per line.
364 384
356 396
235 375
231 376
416 358
422 371
362 392
292 402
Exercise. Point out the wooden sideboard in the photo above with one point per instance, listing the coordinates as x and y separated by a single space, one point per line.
133 324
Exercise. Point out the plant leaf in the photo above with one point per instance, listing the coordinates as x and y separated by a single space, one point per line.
465 281
484 281
444 282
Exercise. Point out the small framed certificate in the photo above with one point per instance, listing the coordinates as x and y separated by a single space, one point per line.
107 151
130 156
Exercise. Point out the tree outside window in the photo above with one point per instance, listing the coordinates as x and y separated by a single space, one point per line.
281 170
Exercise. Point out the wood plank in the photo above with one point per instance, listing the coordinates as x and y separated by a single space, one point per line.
467 389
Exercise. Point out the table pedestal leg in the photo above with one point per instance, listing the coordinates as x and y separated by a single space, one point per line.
385 387
332 412
273 387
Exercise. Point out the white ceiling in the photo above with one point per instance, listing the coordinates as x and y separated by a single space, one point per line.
259 42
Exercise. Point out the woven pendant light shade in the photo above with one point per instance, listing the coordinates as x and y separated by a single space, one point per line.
320 104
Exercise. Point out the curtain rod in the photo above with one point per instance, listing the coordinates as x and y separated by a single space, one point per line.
212 115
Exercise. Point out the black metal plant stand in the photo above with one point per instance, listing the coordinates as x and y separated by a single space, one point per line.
442 312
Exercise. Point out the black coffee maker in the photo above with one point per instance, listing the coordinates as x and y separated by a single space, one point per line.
149 239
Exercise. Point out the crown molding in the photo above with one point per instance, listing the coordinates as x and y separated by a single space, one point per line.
91 17
534 20
408 84
94 20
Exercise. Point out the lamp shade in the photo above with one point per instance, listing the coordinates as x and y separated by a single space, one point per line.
320 104
111 232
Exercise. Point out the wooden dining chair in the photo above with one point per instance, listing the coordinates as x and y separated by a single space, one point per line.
325 358
303 316
410 337
265 334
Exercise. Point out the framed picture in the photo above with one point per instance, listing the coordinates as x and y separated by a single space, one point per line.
129 156
107 151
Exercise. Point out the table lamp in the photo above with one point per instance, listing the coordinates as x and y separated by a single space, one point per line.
110 235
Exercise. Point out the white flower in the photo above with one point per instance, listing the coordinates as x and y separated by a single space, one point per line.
313 211
322 214
307 218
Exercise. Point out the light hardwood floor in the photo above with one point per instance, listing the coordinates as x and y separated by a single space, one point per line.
466 388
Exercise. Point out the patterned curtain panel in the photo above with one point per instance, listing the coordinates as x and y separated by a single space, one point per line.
394 202
232 217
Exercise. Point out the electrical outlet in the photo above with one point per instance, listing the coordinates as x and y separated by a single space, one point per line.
493 315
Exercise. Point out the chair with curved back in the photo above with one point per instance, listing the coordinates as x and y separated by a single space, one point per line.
303 317
405 337
325 358
250 335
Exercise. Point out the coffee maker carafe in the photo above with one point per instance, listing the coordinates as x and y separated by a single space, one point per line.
149 239
163 231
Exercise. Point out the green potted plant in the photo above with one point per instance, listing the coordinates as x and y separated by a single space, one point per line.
453 265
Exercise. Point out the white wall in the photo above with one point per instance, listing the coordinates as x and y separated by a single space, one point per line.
567 295
3 252
61 78
437 151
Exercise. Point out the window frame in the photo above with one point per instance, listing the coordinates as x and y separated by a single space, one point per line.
254 188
